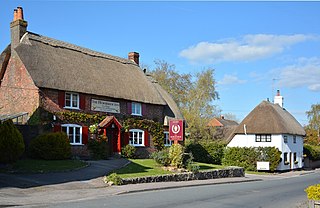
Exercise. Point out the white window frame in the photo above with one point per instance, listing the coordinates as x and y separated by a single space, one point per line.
74 126
167 142
263 138
71 100
136 109
132 138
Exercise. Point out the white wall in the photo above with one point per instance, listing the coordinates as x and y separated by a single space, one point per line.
241 140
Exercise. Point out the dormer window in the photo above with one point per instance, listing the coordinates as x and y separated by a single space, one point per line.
72 100
136 109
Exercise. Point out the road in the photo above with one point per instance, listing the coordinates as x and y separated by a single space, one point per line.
279 192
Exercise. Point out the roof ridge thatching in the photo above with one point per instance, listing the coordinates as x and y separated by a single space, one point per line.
58 43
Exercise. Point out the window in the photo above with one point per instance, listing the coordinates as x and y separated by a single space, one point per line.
263 137
295 157
136 109
74 133
294 139
285 158
285 139
72 100
167 142
136 137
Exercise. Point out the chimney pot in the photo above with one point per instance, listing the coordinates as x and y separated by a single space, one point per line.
15 14
134 56
278 92
20 13
222 116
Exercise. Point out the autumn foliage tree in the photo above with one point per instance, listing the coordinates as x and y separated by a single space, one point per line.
313 128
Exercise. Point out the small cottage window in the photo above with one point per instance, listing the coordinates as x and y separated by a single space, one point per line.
294 139
136 109
285 158
295 157
72 100
167 142
74 133
263 137
285 139
136 137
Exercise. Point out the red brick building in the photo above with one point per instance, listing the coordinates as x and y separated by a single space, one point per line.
41 74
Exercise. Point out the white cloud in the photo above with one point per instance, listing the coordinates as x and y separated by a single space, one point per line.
229 79
304 73
249 47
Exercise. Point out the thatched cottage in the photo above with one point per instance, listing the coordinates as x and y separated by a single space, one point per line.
268 125
39 73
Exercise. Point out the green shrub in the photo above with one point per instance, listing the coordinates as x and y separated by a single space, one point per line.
128 151
247 157
313 192
176 155
113 179
11 142
312 151
98 148
162 157
50 146
206 151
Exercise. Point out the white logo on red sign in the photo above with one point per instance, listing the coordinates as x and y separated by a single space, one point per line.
175 129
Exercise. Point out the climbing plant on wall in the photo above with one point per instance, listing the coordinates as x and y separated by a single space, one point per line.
78 117
154 128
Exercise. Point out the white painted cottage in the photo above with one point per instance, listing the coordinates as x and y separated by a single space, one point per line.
268 125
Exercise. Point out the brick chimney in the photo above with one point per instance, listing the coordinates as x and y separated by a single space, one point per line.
134 56
18 27
278 99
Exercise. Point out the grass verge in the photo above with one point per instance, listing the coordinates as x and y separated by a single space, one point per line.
43 166
148 167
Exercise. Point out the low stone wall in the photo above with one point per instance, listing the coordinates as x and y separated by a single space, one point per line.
209 174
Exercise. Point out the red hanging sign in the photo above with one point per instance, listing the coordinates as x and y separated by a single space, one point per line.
176 130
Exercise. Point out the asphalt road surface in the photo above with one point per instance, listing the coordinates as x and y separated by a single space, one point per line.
285 192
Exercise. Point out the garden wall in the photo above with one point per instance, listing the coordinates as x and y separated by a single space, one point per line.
209 174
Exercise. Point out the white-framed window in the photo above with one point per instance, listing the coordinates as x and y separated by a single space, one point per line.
72 100
136 109
263 137
167 142
136 137
74 133
294 139
285 139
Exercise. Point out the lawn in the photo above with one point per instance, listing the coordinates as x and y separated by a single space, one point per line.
43 166
148 167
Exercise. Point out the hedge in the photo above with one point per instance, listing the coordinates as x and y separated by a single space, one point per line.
247 157
312 151
206 151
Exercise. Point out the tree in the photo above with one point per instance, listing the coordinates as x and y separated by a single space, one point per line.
193 94
313 128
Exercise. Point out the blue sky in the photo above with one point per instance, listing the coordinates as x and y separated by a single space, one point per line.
254 47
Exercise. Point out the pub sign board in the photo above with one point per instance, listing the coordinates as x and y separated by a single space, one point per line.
176 130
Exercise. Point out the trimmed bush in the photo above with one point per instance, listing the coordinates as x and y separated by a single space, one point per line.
162 157
247 157
98 148
128 151
50 146
312 151
313 192
11 142
207 151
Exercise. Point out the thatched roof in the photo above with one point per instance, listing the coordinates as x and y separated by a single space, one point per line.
268 118
222 122
59 65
